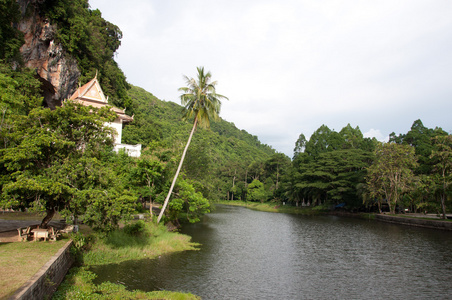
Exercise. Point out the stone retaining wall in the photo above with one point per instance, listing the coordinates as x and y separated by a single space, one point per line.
415 222
45 282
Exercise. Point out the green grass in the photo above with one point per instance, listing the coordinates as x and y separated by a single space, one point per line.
119 246
20 261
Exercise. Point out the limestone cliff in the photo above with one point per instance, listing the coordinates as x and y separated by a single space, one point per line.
56 70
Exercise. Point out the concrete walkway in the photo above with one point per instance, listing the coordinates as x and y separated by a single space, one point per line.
420 215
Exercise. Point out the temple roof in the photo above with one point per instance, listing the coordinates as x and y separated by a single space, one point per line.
91 94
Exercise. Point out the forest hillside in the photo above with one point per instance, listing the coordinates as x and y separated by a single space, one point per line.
215 154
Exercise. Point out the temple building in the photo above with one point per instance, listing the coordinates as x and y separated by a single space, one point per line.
91 94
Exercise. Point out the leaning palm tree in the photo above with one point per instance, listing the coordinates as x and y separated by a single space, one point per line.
200 101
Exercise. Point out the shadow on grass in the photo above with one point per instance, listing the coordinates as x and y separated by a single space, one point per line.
120 239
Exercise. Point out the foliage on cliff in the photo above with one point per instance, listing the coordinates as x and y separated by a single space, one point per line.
10 38
93 41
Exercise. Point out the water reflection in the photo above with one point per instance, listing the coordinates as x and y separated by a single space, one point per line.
255 255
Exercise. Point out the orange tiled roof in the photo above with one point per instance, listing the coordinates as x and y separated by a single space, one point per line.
91 94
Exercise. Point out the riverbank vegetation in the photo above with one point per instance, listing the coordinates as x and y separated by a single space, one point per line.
140 240
135 241
78 285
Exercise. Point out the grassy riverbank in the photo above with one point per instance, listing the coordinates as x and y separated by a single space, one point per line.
78 284
134 242
277 208
144 241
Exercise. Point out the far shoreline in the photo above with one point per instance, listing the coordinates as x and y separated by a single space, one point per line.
424 221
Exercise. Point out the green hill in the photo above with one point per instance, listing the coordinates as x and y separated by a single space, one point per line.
214 155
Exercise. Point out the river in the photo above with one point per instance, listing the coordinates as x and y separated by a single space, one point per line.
247 254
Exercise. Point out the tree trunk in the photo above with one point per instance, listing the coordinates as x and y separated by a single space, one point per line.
233 183
178 170
443 196
443 205
150 198
150 206
47 218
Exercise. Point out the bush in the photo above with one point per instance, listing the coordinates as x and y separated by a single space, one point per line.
135 229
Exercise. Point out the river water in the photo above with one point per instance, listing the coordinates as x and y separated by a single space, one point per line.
247 254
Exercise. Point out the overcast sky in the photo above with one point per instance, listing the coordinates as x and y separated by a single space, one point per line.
288 67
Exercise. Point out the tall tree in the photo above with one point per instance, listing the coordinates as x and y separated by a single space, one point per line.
391 174
442 154
202 102
421 138
46 151
352 137
323 140
146 176
300 145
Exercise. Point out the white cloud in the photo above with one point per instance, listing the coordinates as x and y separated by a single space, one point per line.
290 66
376 133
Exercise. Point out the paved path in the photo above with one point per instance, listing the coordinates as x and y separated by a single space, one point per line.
10 225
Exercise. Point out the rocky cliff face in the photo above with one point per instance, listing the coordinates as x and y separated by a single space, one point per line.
55 68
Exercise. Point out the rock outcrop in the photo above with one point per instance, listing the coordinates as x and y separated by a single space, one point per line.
55 68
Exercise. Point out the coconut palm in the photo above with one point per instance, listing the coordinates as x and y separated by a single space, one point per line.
201 102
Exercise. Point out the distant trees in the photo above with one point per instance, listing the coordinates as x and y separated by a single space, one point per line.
430 193
411 170
256 191
329 166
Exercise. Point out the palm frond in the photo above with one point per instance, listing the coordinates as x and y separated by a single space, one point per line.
200 99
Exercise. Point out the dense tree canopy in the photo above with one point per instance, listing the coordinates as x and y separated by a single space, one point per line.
329 167
52 161
421 138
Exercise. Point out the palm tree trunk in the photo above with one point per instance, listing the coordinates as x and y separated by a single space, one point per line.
178 170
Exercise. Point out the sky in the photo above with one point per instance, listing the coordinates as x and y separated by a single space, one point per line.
289 67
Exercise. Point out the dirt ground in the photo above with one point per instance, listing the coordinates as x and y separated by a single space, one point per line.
9 236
